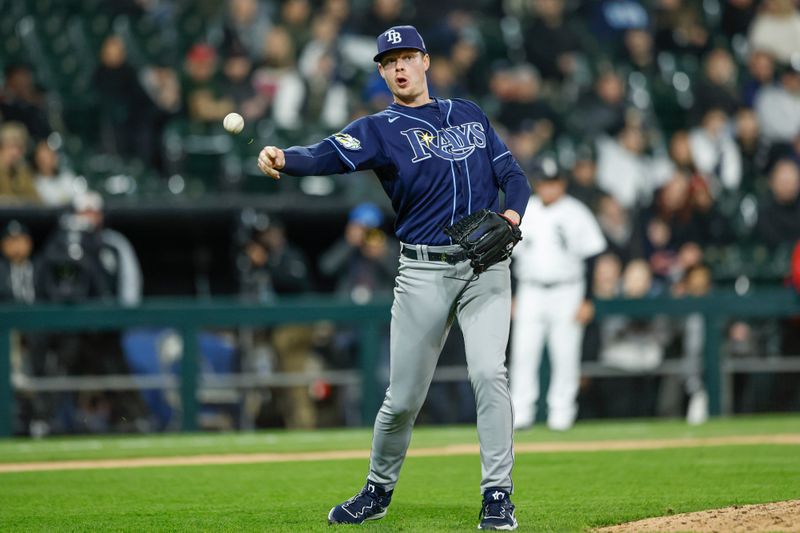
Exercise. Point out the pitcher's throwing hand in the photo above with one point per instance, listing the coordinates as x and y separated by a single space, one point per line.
270 161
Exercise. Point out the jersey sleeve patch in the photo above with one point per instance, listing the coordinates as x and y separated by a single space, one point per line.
347 141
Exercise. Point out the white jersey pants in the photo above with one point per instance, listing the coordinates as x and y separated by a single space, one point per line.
546 314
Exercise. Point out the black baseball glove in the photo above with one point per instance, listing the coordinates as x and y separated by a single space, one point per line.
487 238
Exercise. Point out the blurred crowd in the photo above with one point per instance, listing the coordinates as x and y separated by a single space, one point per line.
677 122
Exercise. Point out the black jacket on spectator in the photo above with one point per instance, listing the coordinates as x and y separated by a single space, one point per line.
709 95
545 44
70 271
778 223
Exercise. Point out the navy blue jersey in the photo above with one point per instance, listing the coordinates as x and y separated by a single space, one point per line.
438 163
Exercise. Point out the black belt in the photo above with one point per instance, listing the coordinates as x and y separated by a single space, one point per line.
443 257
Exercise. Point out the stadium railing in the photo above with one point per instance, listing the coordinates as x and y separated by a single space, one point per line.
190 316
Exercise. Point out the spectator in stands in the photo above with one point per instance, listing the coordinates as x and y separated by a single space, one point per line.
696 281
760 74
634 344
776 29
717 89
779 213
682 212
246 24
295 17
324 40
527 143
622 168
56 186
364 264
550 43
617 225
339 10
736 17
238 85
715 152
607 281
583 179
123 104
639 53
445 22
16 176
793 276
680 27
610 19
269 267
161 84
381 14
521 106
469 65
205 100
442 79
778 107
326 101
278 80
364 260
606 284
21 101
680 152
752 149
17 270
600 111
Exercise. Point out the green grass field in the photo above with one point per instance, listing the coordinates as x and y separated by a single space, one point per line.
554 491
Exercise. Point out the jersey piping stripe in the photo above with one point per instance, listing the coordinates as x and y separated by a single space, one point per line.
340 153
452 170
453 216
466 164
501 155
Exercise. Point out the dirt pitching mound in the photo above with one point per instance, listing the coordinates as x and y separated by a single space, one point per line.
764 517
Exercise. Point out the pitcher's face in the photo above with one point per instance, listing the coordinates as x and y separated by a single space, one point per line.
404 72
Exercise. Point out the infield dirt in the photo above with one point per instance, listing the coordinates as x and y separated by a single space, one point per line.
760 518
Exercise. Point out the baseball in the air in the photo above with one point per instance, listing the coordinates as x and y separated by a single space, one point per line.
233 122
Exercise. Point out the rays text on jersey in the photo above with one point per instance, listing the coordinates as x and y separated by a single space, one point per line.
453 144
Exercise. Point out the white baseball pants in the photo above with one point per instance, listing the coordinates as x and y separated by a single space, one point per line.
546 315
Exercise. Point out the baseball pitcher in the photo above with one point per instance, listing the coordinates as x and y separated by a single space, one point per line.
442 165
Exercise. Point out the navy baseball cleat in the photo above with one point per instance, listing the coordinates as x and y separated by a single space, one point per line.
497 512
369 504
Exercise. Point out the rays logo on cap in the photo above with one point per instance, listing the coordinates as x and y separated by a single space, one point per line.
398 37
393 36
347 141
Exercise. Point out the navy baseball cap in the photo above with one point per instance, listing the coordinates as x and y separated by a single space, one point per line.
546 169
14 228
398 37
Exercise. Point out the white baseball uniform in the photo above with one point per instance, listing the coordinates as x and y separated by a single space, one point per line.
549 265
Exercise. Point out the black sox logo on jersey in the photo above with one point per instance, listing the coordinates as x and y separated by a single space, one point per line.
453 144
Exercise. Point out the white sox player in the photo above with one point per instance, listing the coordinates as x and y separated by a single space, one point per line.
551 303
